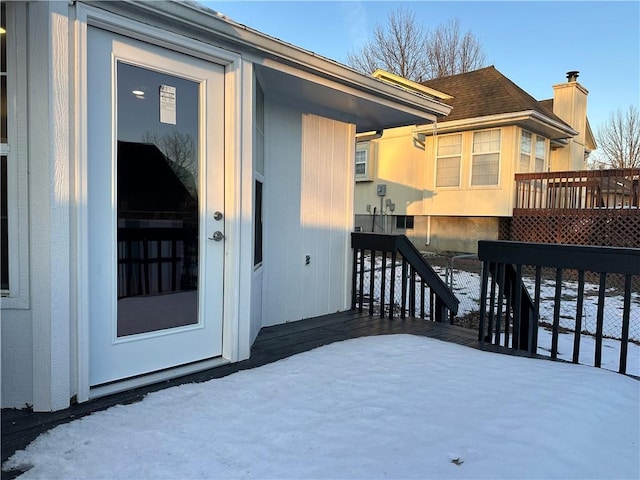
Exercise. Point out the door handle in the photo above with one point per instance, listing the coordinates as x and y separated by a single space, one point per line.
217 236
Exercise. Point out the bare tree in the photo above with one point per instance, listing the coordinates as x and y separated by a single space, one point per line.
405 48
397 47
180 150
619 139
449 52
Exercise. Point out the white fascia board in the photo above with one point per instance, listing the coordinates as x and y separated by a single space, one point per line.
205 21
498 120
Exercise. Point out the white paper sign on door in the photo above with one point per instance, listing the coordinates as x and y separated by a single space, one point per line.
167 104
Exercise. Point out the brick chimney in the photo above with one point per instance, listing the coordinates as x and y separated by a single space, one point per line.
570 104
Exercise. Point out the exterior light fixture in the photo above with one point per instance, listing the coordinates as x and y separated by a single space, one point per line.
138 93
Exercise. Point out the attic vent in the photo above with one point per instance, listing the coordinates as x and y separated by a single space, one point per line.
572 76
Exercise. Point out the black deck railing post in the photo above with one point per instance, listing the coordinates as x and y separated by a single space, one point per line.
556 314
492 298
483 301
501 303
600 319
383 283
578 328
403 307
372 265
392 286
354 278
533 327
626 311
412 292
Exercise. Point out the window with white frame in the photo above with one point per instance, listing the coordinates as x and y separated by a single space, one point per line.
4 150
525 151
362 161
14 260
541 153
448 160
258 178
485 159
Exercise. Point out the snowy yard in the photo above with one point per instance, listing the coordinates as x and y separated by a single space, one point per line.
466 287
395 406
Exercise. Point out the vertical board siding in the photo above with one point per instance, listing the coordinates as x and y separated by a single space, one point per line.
324 216
308 212
281 211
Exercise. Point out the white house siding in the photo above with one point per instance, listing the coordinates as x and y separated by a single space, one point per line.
36 354
326 213
308 212
307 202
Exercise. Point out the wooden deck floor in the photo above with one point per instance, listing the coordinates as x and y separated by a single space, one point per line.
20 427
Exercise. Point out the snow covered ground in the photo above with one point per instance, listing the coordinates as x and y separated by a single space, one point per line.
466 287
397 406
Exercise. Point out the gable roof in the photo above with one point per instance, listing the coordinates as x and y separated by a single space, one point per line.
488 93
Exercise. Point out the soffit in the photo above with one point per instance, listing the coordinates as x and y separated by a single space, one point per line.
322 97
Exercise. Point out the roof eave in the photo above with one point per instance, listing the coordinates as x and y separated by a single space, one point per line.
555 129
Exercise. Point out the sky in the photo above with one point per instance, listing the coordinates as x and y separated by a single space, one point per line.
532 43
396 406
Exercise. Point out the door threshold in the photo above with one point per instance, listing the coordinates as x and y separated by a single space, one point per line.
155 377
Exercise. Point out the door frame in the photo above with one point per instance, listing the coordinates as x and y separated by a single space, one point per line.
232 345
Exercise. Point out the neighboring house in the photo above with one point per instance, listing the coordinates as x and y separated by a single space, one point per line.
448 185
172 181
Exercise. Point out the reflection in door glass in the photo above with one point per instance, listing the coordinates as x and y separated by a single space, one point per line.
157 200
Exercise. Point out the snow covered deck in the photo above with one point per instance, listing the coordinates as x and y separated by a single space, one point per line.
20 427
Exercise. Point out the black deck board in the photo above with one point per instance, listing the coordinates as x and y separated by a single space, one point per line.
21 427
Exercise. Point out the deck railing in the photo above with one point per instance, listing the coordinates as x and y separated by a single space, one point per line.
502 322
580 189
156 260
388 256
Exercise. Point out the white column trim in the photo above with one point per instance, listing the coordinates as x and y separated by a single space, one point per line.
49 153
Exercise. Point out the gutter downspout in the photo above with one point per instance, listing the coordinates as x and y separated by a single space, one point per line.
428 241
369 136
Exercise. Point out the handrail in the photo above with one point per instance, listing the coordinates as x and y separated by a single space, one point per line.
392 245
599 262
579 189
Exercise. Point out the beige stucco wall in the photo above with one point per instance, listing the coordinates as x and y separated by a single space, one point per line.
407 167
461 234
398 162
442 233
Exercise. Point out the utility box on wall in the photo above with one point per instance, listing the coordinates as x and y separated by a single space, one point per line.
381 190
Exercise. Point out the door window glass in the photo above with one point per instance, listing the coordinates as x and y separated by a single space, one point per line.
157 200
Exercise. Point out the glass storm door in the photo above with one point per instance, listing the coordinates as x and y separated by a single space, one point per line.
155 203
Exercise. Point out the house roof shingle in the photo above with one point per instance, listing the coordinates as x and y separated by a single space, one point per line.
487 92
